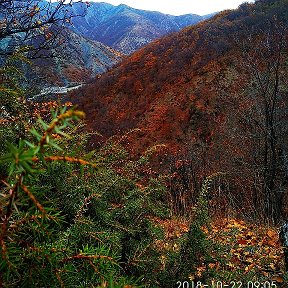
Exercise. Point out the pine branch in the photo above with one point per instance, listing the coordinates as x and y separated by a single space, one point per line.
66 159
58 121
6 218
32 197
87 257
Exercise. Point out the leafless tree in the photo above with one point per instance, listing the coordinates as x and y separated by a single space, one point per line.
264 118
34 24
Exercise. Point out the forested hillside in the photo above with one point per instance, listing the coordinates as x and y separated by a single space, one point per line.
215 95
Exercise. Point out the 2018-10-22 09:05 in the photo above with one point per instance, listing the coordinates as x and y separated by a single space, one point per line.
232 284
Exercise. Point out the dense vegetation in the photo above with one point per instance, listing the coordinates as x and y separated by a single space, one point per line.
216 95
192 158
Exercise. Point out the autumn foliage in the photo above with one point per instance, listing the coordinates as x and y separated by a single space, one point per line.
202 93
178 172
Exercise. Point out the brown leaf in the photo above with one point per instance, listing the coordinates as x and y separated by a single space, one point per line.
242 242
264 273
278 279
272 243
272 234
235 260
211 265
249 268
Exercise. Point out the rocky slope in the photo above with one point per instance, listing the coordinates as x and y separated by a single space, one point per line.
77 59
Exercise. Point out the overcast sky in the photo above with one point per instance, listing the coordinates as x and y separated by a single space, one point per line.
179 7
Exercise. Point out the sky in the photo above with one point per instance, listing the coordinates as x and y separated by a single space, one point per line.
179 7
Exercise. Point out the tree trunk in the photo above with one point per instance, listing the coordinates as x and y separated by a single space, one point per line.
284 241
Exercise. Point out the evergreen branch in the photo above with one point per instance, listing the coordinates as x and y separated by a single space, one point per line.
85 204
4 252
59 278
16 224
87 257
39 250
32 197
65 158
92 235
6 218
55 122
96 270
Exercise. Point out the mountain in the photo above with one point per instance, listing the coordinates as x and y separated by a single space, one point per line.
124 28
85 50
215 94
77 59
180 88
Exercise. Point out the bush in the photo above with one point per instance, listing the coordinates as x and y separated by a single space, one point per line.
75 222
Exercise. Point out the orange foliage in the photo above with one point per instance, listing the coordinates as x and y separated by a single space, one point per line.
186 91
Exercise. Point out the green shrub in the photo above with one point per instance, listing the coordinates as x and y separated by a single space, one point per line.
75 222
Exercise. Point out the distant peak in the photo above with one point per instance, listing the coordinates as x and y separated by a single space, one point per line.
123 6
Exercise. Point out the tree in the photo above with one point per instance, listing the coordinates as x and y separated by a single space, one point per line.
262 114
35 24
28 30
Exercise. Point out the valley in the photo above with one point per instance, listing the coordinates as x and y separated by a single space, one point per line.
52 91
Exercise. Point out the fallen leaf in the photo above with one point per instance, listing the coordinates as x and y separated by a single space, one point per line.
211 265
235 260
271 234
264 273
278 279
249 268
242 242
272 243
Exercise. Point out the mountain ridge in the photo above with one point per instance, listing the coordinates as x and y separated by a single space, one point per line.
76 60
183 69
126 29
